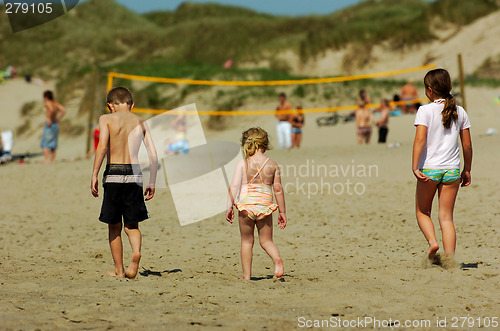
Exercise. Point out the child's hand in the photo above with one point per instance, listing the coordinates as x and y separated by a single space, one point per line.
420 176
94 186
465 178
149 192
282 220
229 215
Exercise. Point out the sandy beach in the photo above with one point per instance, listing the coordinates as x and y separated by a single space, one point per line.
352 248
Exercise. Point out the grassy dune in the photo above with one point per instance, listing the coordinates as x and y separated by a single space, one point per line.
102 32
195 39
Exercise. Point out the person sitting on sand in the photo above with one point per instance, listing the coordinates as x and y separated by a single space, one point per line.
364 119
173 146
383 122
251 192
436 159
121 134
54 112
298 122
180 144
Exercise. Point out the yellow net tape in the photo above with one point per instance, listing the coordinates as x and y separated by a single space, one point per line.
268 112
112 75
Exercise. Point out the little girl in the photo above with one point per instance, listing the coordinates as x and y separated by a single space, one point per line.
251 192
436 159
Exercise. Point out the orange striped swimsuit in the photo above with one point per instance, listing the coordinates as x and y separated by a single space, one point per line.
256 200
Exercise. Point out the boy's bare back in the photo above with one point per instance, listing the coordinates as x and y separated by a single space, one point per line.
124 132
120 138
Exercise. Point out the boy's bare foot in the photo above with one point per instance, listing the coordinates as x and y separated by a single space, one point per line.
133 266
245 278
113 273
433 248
279 268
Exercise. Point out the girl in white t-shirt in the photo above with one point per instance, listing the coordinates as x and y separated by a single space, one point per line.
436 159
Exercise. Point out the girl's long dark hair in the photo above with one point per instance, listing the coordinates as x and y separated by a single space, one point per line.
440 82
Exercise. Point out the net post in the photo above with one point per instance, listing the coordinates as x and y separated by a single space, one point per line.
91 111
462 79
110 81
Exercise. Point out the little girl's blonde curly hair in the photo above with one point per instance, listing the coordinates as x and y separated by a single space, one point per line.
254 139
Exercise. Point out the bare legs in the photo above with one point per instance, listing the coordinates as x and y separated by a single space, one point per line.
247 238
265 229
115 243
296 139
447 193
49 154
364 138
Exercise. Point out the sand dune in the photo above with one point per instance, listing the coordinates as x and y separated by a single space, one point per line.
477 42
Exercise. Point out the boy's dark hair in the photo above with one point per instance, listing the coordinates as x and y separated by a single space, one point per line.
282 95
49 95
120 95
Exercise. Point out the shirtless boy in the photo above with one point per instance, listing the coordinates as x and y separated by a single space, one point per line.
54 113
120 138
408 93
383 122
284 127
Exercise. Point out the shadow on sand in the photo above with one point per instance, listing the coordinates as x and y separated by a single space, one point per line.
467 266
270 277
147 272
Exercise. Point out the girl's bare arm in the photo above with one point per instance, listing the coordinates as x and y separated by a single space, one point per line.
234 191
235 186
467 151
280 198
278 191
418 147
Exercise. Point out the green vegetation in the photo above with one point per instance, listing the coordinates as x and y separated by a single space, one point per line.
29 108
490 69
462 12
67 128
23 128
104 33
196 39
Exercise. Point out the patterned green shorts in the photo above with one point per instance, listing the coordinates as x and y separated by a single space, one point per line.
442 175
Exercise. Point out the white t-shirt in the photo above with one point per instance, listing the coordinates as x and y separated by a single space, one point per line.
441 150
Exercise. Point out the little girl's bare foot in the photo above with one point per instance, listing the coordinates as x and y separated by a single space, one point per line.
133 266
245 278
433 248
279 268
113 273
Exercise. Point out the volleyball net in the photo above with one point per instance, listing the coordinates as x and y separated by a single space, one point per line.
114 75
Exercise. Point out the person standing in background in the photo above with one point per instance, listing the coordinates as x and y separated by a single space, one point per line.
54 112
408 93
297 122
383 122
284 127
